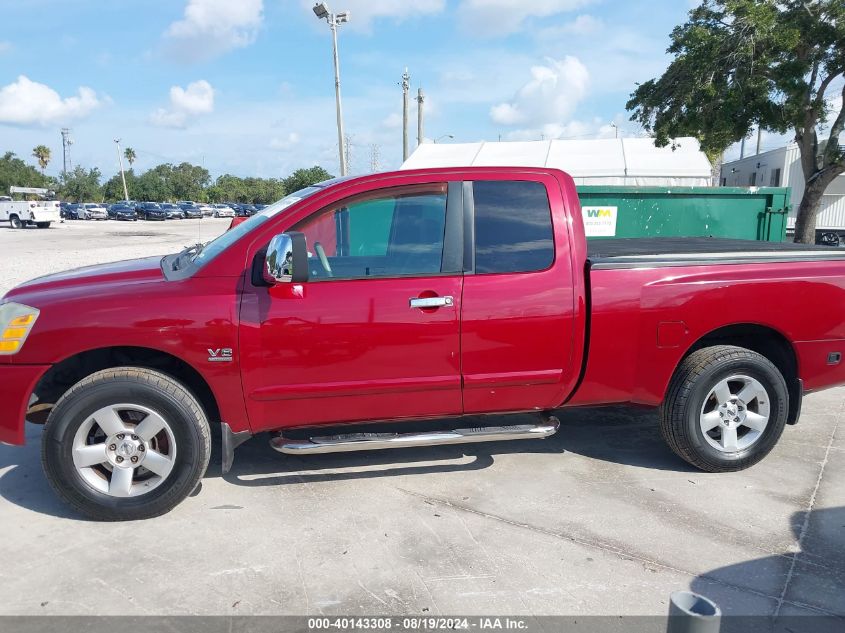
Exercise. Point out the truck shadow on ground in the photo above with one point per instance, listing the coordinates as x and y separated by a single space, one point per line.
625 436
790 592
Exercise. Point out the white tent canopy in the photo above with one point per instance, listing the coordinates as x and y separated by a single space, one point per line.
624 161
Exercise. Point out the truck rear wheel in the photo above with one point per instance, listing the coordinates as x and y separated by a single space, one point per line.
725 409
42 225
15 222
124 444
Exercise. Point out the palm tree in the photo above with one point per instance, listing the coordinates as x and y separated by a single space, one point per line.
129 155
42 155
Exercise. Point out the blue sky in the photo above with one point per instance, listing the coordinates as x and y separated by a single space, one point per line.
246 87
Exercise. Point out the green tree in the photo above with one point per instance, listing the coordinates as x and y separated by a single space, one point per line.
81 185
744 63
302 178
113 187
41 153
129 155
14 172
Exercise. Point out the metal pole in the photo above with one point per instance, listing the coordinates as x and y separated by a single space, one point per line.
122 176
340 135
742 148
420 124
759 134
406 83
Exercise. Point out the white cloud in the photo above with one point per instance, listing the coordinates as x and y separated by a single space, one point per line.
583 24
27 102
392 121
213 27
286 143
5 47
548 98
364 12
595 128
185 103
502 17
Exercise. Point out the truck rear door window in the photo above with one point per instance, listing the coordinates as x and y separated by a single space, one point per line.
395 232
513 227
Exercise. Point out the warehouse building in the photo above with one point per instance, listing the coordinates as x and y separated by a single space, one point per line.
782 168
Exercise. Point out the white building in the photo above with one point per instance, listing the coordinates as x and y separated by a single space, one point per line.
624 161
782 168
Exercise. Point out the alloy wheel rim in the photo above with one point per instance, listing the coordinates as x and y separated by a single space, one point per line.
124 450
735 413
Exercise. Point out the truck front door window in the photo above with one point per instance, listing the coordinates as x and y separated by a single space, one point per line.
393 233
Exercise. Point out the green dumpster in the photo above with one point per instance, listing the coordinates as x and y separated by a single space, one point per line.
748 213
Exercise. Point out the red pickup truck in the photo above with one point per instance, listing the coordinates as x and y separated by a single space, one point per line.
413 295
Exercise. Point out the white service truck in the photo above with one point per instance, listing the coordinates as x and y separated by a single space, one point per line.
41 212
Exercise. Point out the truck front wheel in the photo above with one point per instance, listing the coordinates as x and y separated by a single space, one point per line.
725 409
124 444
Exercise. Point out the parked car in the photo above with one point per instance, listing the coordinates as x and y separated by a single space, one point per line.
191 210
482 276
150 211
223 211
244 210
206 209
74 211
173 211
122 212
94 211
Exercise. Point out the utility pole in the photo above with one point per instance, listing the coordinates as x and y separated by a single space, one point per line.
742 148
374 158
406 84
347 143
420 123
122 176
759 135
321 10
67 141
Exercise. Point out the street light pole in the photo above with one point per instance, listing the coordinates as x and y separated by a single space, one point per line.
322 11
122 176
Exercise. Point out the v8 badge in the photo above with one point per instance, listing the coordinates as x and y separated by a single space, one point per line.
223 354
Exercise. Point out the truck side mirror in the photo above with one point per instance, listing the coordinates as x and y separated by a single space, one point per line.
286 260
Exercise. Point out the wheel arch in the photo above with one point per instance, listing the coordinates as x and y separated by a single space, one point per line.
766 341
67 372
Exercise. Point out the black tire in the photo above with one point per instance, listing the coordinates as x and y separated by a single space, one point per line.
42 225
693 380
135 385
15 222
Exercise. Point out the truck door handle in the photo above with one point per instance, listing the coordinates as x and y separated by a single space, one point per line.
430 302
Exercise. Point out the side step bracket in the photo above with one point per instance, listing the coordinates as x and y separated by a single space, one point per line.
377 441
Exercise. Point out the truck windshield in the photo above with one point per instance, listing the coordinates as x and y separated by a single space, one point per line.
217 246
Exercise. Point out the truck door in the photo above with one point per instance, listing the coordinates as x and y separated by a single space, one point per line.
518 309
374 333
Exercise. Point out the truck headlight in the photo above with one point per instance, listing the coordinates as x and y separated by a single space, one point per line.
16 321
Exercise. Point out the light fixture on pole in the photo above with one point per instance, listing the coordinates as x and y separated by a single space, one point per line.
439 138
322 11
122 176
615 130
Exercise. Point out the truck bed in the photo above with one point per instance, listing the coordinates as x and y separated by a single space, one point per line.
689 251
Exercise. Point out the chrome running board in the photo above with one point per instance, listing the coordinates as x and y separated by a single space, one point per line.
377 441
